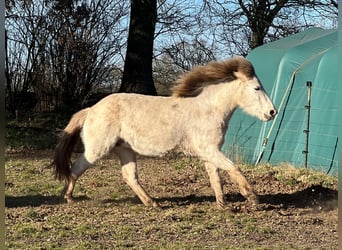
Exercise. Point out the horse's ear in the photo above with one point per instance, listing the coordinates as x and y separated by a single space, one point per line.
240 75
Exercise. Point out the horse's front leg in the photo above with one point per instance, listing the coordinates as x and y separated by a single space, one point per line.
219 160
215 182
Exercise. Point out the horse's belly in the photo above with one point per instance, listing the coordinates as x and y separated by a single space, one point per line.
152 143
150 148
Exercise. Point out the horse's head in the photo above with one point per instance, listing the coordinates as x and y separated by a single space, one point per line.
253 99
249 93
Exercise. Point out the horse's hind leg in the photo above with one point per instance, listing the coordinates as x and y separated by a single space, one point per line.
78 168
130 174
215 182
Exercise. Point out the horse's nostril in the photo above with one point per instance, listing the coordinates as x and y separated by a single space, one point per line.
273 112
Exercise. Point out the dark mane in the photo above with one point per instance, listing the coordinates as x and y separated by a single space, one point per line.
191 83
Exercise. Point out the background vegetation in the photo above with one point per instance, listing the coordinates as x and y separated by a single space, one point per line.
69 53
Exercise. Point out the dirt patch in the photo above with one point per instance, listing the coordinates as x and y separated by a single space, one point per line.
297 210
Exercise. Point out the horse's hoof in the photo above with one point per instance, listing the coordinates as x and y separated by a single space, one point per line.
155 205
253 199
69 199
221 205
151 203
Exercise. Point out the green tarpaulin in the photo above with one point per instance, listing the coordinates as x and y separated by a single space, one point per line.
284 67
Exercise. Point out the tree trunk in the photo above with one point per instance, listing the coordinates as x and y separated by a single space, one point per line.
260 17
8 78
257 38
137 76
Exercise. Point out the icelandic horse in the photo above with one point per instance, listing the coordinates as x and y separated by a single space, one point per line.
193 121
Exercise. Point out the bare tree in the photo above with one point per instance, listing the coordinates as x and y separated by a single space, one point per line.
22 46
187 55
82 48
181 41
165 73
244 25
62 49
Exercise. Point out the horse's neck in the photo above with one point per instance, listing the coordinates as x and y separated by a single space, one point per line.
222 98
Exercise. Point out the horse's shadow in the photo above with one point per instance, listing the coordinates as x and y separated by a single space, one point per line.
311 197
37 200
315 196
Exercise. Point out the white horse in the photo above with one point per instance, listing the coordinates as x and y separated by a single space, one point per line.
193 121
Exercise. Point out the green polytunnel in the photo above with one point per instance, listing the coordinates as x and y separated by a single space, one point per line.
286 68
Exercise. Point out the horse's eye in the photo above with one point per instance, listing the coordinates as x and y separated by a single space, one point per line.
257 88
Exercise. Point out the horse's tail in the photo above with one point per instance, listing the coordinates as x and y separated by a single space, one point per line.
70 137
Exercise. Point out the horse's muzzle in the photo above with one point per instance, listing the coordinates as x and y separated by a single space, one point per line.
271 115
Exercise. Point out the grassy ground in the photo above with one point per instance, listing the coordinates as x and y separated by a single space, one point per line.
298 207
299 212
34 131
